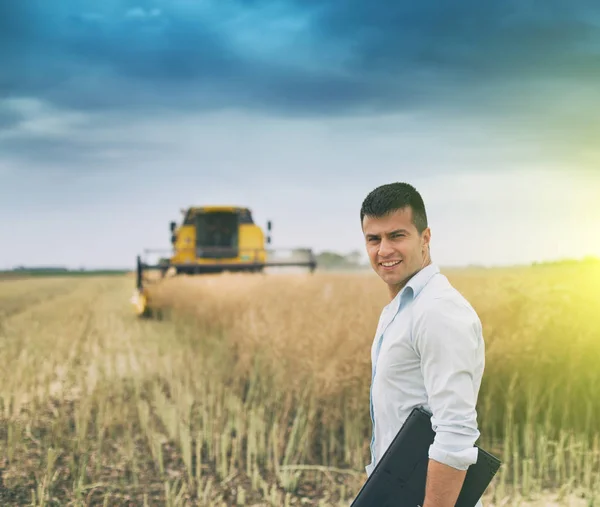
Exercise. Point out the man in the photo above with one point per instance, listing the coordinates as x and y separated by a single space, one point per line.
428 349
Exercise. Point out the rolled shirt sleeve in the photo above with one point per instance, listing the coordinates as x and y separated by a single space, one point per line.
449 342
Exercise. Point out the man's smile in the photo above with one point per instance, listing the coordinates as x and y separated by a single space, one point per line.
389 264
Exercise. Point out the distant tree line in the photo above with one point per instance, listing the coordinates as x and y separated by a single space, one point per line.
48 269
58 270
335 260
569 262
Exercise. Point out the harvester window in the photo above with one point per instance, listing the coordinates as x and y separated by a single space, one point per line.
189 219
245 217
217 234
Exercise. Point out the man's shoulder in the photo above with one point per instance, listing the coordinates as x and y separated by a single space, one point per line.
442 315
439 298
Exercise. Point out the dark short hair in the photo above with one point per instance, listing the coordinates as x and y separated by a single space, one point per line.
389 198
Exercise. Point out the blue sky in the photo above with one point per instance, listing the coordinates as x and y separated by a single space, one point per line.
115 115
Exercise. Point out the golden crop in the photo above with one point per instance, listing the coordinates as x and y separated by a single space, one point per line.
253 389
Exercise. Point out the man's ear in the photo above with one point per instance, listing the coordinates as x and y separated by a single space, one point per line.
426 237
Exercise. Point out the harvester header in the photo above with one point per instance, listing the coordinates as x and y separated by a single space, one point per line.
215 239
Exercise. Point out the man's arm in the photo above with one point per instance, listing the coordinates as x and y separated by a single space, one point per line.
447 338
443 485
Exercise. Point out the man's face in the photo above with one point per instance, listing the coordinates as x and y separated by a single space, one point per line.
395 248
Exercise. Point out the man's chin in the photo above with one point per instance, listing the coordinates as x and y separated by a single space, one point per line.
395 277
391 278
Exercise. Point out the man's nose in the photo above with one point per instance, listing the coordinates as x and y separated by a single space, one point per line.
385 248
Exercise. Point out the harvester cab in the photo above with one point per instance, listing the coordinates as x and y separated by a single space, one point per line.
215 239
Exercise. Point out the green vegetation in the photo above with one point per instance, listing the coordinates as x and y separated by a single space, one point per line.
28 272
331 261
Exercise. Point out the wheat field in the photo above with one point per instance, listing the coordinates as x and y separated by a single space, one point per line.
253 389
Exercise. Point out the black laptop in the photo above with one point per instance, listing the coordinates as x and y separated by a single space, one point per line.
398 480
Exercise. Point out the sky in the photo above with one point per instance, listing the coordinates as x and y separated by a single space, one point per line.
115 115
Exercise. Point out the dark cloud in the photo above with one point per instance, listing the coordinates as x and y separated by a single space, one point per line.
533 65
66 155
470 37
347 56
9 118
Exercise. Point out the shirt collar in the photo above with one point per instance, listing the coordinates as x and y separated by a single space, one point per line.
415 284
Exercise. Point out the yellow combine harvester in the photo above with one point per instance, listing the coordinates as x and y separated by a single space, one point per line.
215 239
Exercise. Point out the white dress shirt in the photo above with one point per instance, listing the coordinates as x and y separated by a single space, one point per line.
428 351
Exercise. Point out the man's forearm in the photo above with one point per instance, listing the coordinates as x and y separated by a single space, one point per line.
443 485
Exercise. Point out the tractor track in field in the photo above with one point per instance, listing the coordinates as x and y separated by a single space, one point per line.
17 296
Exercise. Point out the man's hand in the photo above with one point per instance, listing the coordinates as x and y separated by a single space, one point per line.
443 485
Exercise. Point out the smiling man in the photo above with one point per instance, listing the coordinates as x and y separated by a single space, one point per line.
428 349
